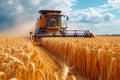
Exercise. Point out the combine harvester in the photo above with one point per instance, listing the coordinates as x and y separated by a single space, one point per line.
49 24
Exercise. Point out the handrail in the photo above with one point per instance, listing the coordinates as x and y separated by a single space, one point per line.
76 31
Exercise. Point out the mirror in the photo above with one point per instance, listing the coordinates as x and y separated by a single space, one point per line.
40 17
67 18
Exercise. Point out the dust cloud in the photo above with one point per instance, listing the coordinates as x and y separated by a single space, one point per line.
21 27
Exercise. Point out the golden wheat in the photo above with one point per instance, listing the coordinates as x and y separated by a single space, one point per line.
95 58
2 76
13 79
21 60
87 58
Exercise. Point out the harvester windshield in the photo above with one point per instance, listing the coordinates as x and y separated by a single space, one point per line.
53 20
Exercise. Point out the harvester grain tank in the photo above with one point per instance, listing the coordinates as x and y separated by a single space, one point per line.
50 24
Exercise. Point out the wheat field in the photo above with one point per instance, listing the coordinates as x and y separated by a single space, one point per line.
21 60
94 58
60 58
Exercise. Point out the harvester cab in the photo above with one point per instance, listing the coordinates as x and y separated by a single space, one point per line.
50 24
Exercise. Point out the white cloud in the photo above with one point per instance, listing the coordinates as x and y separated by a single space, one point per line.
108 16
34 2
10 2
108 28
111 5
92 16
104 8
19 8
114 3
64 5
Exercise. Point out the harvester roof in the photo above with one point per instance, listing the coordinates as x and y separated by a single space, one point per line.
48 11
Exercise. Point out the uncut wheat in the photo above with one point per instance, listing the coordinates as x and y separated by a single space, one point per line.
94 58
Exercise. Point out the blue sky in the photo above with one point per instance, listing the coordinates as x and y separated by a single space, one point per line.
83 4
98 16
